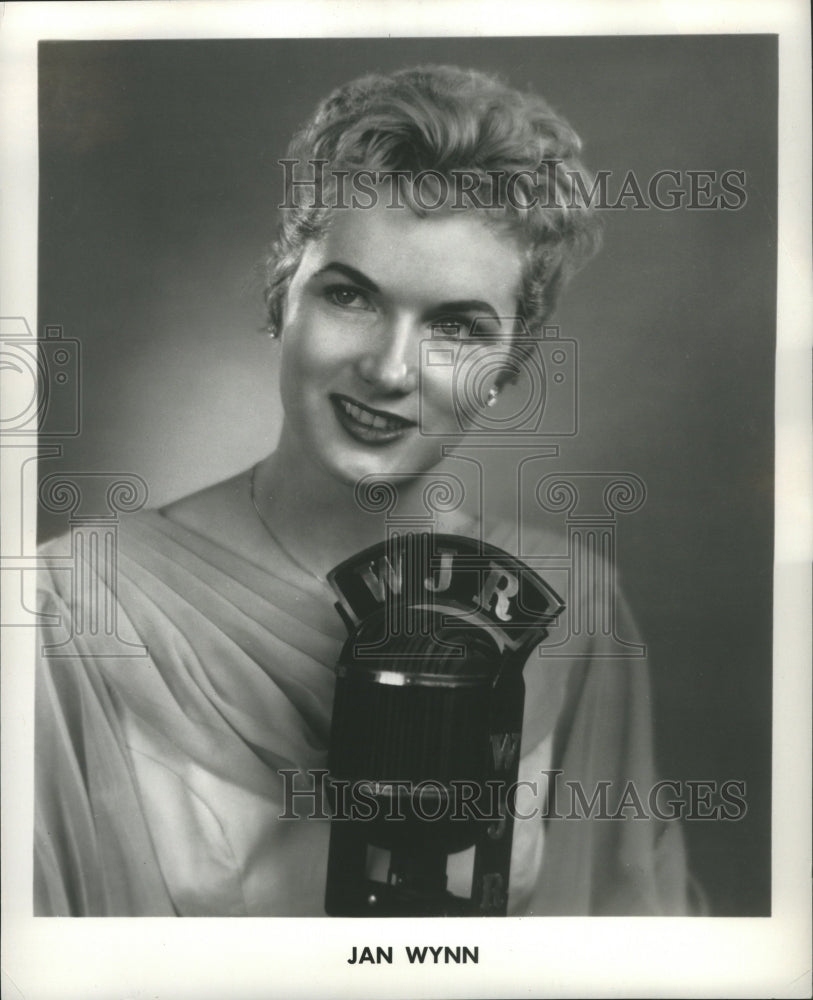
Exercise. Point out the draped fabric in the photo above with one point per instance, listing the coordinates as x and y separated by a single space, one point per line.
158 764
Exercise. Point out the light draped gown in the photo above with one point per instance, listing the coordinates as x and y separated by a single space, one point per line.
158 789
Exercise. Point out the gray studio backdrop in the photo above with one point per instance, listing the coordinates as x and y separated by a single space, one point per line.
158 190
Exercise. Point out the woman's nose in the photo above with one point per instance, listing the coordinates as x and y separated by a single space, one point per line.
391 364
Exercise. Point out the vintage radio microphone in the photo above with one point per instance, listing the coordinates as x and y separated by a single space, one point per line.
427 717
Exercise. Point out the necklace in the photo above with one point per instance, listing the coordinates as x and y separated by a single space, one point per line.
273 535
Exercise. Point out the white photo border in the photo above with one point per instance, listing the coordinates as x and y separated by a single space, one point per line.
701 957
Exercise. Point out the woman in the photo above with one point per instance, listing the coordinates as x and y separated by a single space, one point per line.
433 203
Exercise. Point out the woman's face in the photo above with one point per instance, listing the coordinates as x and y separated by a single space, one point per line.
365 296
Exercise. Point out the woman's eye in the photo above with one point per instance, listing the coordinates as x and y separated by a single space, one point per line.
347 298
467 328
454 329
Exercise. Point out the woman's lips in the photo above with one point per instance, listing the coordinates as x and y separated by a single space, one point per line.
368 425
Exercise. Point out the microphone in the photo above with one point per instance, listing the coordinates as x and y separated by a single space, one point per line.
427 718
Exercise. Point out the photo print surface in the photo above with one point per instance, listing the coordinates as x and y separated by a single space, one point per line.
570 360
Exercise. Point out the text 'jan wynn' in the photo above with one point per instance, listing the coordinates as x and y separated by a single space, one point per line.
416 955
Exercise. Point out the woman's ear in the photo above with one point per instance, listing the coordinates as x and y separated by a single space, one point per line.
276 313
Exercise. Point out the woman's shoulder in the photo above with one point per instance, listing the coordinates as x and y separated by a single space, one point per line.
221 513
204 511
216 519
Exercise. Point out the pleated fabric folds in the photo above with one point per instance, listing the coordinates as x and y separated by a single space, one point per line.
158 786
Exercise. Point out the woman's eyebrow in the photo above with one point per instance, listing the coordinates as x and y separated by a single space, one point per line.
468 306
477 306
358 277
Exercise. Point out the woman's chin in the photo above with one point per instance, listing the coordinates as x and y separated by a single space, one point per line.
349 465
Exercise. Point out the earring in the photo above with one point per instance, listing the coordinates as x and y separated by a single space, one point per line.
491 397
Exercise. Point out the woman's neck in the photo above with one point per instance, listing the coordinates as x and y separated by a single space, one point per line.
312 515
315 517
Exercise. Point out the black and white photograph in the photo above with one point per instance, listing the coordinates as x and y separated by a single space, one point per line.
406 515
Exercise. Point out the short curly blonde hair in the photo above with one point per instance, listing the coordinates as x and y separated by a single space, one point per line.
447 121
